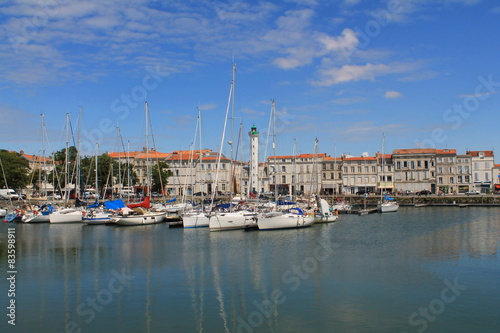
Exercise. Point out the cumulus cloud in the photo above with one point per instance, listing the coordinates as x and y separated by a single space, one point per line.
393 94
348 73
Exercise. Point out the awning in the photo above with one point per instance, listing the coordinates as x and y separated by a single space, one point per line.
497 186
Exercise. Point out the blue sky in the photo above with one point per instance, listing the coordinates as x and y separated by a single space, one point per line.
423 72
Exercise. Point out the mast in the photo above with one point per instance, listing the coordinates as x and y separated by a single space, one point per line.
148 181
66 162
96 174
294 169
78 176
119 164
43 154
273 114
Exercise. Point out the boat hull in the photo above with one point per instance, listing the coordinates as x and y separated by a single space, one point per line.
39 218
325 219
66 217
284 221
388 207
196 221
141 219
232 221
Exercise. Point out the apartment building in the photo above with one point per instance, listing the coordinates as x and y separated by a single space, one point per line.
496 178
414 169
331 175
482 165
359 174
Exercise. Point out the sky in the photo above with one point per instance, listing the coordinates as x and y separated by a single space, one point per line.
420 73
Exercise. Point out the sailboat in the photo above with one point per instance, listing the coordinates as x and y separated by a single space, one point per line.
234 219
294 217
140 216
386 204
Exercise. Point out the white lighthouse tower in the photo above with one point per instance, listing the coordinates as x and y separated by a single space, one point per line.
254 160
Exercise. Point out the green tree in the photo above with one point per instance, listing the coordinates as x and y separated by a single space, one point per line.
159 175
15 170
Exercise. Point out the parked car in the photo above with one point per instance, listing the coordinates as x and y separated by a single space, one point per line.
424 192
361 192
155 194
472 193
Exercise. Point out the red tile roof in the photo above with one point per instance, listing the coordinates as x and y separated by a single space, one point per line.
414 151
475 153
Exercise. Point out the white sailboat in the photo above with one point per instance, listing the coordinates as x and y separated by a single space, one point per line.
386 204
235 219
325 215
128 217
295 217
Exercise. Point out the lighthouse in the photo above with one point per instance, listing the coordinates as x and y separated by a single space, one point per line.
254 160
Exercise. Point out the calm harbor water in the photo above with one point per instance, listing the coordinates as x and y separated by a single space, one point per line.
418 270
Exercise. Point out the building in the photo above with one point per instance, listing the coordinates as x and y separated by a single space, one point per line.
446 178
414 170
482 165
496 178
359 174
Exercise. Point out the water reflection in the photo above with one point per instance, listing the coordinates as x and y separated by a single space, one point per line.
359 274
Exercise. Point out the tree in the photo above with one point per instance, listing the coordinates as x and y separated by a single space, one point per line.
159 174
15 170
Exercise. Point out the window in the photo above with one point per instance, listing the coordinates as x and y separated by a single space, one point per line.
389 168
398 165
374 179
359 169
412 163
476 176
283 179
223 166
283 168
324 175
460 179
332 175
405 164
366 180
352 169
459 169
419 164
452 180
374 169
346 169
359 180
440 180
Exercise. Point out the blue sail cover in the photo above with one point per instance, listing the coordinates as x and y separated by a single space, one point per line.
387 198
115 204
280 203
171 200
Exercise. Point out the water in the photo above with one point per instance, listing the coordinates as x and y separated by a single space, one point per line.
418 270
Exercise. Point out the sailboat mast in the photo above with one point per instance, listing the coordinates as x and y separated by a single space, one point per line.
148 183
273 113
66 161
78 176
96 174
43 154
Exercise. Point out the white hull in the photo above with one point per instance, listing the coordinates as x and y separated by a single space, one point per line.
388 207
141 219
66 216
200 220
324 215
97 218
284 221
3 212
232 221
38 218
325 219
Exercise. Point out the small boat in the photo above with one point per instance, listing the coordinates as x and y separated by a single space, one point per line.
420 205
324 215
136 214
13 217
388 207
3 212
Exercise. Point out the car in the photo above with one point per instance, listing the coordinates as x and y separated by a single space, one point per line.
199 194
472 193
361 192
408 192
155 194
424 192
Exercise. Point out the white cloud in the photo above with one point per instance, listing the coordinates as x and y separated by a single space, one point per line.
393 94
348 73
349 100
